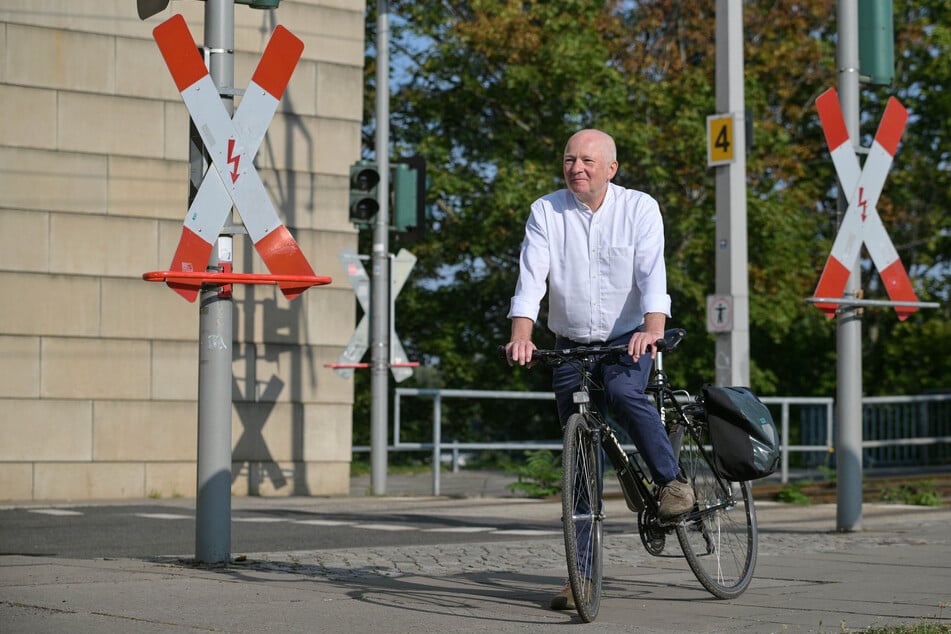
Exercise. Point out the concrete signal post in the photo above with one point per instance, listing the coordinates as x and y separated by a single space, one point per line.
726 146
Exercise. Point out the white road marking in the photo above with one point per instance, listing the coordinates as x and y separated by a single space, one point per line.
329 522
459 529
164 516
386 527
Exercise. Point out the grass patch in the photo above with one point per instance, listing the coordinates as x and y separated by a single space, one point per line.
912 490
920 493
791 493
539 476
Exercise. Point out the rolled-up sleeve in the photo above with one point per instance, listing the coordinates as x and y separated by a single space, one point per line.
650 273
533 269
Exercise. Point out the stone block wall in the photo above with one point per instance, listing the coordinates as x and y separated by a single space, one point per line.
98 368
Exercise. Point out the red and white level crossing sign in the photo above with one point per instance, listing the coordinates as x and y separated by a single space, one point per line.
863 186
232 145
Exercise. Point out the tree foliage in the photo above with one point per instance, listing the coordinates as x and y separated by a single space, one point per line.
489 91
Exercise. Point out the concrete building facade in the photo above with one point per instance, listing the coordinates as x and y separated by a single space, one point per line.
98 368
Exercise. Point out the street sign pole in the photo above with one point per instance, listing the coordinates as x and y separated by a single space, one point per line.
213 502
848 401
380 265
732 364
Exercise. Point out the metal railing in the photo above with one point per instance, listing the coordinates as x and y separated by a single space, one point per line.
907 430
924 420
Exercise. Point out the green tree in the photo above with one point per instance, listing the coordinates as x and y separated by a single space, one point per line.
910 356
489 90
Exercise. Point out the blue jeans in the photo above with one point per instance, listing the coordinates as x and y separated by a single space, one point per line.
623 395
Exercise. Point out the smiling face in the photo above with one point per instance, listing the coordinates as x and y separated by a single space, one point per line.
589 166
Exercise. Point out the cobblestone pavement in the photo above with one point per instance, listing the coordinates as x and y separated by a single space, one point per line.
783 530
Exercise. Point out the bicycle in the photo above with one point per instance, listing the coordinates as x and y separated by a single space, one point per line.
718 536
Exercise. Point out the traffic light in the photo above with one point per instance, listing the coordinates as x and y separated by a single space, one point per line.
876 42
408 181
364 196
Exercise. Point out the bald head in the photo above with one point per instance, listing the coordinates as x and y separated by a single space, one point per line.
597 137
590 163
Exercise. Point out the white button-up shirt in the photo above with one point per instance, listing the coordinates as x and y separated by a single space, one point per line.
604 270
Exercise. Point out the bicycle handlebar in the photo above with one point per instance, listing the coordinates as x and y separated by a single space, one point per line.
553 358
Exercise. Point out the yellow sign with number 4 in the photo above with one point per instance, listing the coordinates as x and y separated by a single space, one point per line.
719 139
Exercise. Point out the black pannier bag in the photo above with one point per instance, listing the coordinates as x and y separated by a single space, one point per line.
742 432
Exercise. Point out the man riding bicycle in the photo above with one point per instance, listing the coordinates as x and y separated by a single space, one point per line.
597 249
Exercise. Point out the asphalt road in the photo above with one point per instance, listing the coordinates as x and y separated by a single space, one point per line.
167 528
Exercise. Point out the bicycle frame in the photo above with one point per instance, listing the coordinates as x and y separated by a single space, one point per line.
635 482
631 476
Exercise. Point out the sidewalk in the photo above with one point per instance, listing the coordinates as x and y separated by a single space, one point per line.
809 578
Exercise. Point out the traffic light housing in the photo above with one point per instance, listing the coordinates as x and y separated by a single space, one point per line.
876 42
408 212
364 195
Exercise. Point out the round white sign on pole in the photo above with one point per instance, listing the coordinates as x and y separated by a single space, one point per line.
719 313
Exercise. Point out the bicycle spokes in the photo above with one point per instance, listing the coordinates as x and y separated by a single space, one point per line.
582 513
719 536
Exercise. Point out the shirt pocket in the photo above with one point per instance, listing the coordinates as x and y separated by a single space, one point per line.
620 263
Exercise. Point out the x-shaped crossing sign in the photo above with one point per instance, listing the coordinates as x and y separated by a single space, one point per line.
861 223
232 145
400 365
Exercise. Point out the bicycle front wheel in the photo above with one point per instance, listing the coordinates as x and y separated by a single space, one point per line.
719 536
582 517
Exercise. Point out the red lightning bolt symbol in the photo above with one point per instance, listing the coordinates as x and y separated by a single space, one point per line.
236 158
863 203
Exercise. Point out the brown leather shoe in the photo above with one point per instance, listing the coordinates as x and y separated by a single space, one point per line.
675 499
564 600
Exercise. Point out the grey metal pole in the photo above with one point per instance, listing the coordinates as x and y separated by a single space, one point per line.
437 442
848 401
213 503
732 348
380 264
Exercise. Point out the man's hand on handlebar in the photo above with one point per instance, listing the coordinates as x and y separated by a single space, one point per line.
519 352
643 343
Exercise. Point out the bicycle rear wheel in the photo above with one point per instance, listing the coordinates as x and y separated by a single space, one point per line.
582 515
719 537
